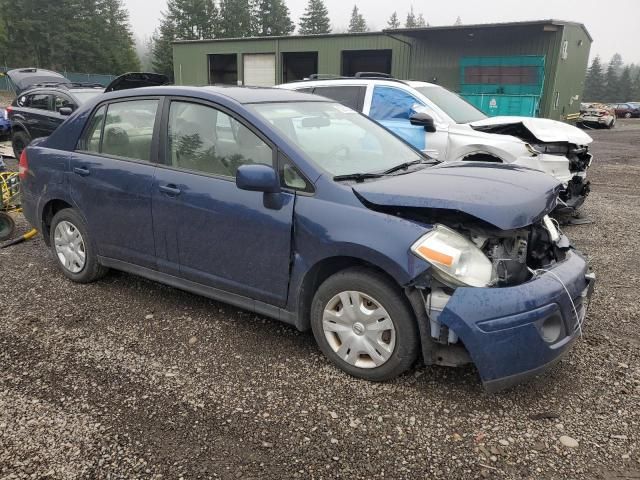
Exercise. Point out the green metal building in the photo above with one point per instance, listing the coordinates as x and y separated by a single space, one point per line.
533 68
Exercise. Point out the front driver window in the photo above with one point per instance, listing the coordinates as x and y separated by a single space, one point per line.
390 103
207 140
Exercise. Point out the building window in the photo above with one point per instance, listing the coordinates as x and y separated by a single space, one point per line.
373 61
223 69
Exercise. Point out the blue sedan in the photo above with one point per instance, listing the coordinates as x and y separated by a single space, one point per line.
298 208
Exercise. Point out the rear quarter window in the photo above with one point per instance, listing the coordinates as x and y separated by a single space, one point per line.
351 96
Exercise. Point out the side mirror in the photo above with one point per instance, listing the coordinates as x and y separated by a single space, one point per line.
425 120
257 178
65 111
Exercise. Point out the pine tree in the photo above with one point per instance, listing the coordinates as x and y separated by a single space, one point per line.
635 92
458 21
272 18
625 85
357 23
594 86
162 50
393 22
315 19
118 44
411 19
193 19
612 92
420 21
236 19
183 20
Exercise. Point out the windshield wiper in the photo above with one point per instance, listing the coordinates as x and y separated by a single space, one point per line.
358 177
406 165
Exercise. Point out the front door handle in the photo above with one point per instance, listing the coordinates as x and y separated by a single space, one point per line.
83 172
170 190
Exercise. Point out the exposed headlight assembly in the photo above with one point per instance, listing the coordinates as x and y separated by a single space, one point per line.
456 260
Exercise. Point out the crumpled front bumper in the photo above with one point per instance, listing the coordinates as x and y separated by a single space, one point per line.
502 328
573 195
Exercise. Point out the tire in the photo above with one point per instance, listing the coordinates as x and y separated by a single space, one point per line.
7 226
70 240
394 350
19 141
627 115
612 124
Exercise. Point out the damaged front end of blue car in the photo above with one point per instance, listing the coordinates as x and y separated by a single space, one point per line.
505 289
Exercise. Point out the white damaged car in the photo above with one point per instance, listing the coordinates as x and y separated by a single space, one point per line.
448 128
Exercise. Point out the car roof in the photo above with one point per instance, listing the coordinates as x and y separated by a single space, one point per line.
243 95
359 80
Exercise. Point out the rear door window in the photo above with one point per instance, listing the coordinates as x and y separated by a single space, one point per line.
350 95
40 101
122 129
128 129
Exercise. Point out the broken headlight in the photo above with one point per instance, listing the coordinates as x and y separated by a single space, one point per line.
456 260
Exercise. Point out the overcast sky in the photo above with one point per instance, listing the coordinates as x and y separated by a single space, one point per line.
614 24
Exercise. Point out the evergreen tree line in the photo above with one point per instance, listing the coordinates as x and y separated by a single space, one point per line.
615 82
204 19
91 36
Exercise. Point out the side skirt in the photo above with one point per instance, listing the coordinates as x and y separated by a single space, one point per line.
239 301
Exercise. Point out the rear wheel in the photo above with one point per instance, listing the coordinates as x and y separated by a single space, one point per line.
73 248
19 141
364 325
7 226
627 115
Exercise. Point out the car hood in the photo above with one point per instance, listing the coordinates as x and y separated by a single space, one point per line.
505 196
25 78
542 129
137 80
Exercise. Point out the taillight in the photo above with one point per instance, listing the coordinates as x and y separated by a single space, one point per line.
23 166
9 109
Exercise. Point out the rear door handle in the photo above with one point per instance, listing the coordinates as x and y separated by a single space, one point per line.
83 172
170 190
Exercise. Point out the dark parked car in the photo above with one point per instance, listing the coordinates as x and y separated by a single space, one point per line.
627 110
296 207
5 124
45 99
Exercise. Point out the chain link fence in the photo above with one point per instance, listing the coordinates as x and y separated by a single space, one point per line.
102 79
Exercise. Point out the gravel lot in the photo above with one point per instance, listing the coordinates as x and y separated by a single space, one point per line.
126 378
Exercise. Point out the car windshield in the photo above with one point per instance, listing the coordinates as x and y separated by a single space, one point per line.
84 97
338 139
453 105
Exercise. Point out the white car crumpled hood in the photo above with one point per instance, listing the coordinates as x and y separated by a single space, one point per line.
543 129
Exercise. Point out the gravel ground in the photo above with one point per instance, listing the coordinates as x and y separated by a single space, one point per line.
126 378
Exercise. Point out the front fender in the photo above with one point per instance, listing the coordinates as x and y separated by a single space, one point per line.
326 230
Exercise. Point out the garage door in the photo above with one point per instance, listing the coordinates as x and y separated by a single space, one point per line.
260 70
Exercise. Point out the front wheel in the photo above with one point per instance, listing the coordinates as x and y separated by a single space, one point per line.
363 323
73 248
627 115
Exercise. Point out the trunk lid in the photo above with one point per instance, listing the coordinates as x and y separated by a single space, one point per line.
25 78
137 80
